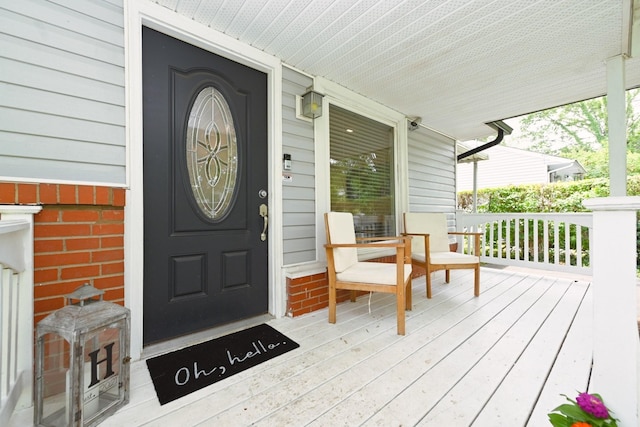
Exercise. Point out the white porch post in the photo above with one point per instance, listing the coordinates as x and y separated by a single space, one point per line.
617 121
475 186
615 331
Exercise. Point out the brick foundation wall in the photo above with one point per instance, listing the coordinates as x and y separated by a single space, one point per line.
78 238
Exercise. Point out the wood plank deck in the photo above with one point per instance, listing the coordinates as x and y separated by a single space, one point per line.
501 359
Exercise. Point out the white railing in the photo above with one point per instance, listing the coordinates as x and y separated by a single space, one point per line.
16 309
550 241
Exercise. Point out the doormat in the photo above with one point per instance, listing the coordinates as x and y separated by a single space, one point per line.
184 371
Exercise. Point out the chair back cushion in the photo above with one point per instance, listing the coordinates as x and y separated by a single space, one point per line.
434 224
340 229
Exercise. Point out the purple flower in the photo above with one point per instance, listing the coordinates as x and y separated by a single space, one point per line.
592 405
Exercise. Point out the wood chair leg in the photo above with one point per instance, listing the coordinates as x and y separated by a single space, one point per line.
476 281
428 284
447 276
354 294
400 307
408 295
332 304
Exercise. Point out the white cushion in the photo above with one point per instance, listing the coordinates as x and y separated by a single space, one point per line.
341 230
373 272
452 258
433 224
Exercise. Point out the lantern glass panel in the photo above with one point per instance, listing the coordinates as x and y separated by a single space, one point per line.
56 384
101 371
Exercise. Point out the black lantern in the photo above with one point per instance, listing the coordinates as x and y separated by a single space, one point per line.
82 361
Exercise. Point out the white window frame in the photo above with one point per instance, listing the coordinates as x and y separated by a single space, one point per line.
344 98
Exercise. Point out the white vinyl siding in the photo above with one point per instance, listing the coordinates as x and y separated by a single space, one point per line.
508 166
298 195
62 98
432 185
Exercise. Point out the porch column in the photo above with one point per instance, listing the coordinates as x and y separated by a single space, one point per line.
617 121
615 330
475 186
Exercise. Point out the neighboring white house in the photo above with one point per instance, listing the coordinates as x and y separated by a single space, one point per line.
513 166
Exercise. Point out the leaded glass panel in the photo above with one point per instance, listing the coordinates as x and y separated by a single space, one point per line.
212 153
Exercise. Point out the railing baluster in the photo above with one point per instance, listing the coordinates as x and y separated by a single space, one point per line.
578 246
4 311
516 240
507 246
556 242
525 249
14 282
536 237
491 238
567 243
545 241
500 237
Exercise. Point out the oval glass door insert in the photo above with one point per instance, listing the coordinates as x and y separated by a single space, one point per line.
212 153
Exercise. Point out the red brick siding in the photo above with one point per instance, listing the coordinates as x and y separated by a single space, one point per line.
78 238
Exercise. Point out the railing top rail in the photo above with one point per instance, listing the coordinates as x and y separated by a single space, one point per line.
12 225
580 218
526 214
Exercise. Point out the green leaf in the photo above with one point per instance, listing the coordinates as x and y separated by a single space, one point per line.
571 411
558 420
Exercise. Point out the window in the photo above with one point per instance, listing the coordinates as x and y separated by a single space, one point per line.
361 169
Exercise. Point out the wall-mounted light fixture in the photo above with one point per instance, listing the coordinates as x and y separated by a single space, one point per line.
312 104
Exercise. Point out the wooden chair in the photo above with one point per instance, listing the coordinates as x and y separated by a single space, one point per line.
346 272
430 247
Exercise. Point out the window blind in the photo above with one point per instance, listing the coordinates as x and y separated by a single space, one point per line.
362 175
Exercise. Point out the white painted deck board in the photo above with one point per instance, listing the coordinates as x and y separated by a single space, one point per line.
571 370
533 364
463 361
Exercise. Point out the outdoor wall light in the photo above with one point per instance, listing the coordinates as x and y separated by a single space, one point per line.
312 104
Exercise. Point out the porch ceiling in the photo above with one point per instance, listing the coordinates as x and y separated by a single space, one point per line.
456 63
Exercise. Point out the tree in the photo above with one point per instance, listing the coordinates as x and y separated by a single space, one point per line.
580 127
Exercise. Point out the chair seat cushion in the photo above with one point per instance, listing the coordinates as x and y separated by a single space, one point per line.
447 258
373 272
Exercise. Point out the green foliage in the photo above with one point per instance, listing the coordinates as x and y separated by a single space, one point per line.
581 126
596 163
555 197
570 414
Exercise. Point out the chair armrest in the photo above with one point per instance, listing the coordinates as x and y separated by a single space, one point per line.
385 244
466 233
401 244
381 238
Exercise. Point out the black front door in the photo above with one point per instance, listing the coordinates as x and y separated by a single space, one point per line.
205 188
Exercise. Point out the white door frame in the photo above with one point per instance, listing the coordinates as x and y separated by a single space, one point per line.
143 12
